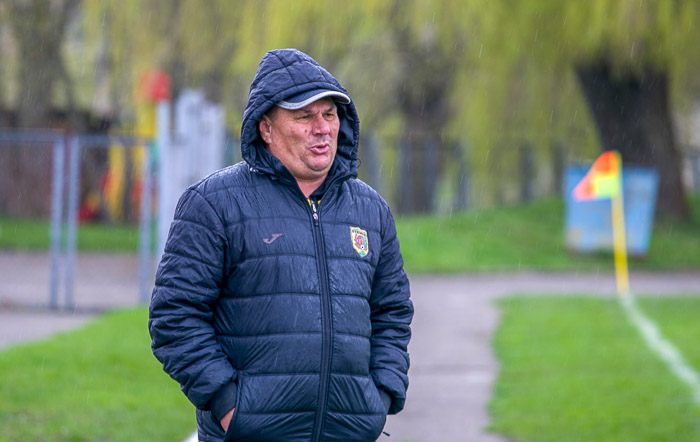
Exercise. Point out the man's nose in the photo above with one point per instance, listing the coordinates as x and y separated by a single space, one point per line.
321 126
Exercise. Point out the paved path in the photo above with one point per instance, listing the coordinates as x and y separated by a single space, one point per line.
102 282
452 370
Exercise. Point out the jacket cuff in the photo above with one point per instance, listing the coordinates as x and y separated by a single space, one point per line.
224 400
386 379
386 399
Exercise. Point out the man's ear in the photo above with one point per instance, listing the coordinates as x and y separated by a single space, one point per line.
265 129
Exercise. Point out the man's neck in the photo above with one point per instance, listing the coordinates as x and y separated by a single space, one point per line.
308 187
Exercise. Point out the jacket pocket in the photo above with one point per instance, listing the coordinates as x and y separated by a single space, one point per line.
229 436
375 399
208 428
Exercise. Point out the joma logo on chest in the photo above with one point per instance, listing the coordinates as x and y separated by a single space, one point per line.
272 238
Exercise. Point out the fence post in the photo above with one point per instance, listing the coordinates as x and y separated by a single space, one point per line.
166 203
462 193
527 162
405 189
695 167
558 162
59 153
145 264
431 158
187 128
212 139
71 234
233 150
371 162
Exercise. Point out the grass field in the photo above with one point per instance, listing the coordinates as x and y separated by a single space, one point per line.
25 234
97 383
528 237
574 369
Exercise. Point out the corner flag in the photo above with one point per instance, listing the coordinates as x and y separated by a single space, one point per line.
604 180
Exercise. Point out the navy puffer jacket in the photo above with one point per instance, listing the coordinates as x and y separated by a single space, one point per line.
296 313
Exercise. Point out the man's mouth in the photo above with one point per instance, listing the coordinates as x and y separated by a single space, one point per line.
320 149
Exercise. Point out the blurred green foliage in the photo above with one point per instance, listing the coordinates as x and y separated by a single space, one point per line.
501 72
487 76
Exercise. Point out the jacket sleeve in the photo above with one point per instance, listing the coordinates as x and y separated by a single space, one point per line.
391 315
181 314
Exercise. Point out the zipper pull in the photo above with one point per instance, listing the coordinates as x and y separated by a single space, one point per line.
315 214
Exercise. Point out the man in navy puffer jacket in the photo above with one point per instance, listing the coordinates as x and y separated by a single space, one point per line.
281 305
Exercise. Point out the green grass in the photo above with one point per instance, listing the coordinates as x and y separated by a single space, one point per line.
26 234
97 383
530 237
678 318
527 237
574 369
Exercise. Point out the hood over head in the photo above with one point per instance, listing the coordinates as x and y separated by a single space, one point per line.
285 75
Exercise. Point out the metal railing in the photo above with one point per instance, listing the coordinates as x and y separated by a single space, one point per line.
59 141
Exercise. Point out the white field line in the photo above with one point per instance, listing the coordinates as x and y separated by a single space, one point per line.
192 438
666 351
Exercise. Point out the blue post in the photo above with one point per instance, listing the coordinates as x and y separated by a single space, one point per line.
71 234
59 153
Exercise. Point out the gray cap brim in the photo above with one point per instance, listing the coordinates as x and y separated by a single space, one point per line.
305 98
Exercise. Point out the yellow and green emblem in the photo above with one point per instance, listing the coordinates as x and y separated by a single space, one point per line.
359 241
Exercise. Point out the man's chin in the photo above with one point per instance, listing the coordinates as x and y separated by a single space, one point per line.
320 167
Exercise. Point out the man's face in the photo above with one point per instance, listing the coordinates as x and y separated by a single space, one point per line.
304 140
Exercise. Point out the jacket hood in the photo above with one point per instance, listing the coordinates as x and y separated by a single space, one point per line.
281 74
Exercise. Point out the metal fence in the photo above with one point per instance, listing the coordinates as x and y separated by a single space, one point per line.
67 150
70 146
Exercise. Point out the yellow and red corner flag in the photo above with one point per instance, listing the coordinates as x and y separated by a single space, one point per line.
604 180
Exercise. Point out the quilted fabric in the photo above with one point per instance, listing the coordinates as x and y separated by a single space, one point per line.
306 320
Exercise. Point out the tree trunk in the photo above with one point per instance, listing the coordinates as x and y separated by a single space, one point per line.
39 29
633 117
422 99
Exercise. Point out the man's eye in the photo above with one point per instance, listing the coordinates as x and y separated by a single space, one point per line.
329 116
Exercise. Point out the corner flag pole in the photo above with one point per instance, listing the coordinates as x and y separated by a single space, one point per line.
620 245
603 181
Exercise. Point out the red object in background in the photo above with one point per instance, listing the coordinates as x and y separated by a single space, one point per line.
87 214
154 86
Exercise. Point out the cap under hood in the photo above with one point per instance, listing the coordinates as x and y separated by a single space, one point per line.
285 73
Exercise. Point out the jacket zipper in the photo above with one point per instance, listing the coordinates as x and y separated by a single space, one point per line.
327 329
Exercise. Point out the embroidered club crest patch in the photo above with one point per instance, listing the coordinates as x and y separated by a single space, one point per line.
359 241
